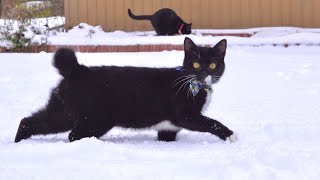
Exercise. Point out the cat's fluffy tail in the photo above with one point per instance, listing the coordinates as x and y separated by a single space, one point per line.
142 17
65 61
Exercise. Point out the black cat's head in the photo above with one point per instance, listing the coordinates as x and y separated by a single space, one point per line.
204 64
186 29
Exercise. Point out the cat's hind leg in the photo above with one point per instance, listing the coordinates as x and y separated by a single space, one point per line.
52 119
167 135
40 124
44 122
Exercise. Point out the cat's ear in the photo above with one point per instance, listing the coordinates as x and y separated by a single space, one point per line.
221 47
190 46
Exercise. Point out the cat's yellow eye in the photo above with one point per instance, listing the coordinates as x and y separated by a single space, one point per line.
196 65
212 66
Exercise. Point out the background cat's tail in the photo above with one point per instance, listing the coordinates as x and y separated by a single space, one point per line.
65 61
142 17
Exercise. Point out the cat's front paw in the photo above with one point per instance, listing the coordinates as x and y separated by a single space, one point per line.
232 138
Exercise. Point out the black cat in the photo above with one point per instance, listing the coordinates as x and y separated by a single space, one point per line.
90 101
165 22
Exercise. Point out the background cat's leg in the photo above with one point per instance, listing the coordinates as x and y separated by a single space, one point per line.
52 119
89 127
167 135
204 124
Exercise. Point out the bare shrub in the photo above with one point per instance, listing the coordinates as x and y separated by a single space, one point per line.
21 27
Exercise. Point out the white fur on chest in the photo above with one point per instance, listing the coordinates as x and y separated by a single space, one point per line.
165 125
208 81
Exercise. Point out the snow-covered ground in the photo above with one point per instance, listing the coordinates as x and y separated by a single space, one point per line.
269 96
84 34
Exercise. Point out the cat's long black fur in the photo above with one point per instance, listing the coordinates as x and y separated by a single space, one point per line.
165 22
90 101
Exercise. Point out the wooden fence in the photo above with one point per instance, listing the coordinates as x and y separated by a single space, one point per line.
204 14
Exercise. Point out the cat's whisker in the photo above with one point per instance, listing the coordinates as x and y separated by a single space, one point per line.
180 78
186 83
182 86
183 77
189 91
186 78
188 94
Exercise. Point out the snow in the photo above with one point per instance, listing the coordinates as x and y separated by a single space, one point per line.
36 4
84 34
36 30
268 95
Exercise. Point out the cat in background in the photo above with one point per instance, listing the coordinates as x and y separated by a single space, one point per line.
90 101
165 22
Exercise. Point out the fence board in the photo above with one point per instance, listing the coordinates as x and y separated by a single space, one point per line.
296 13
225 13
148 7
138 10
83 9
307 17
265 12
119 14
67 13
204 20
92 12
110 11
286 12
128 21
156 4
101 13
245 13
166 3
215 6
195 15
186 10
316 13
213 14
235 14
74 12
255 16
276 15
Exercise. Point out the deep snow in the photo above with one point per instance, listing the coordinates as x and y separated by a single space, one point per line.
269 96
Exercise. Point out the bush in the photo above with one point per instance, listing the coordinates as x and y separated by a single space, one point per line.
24 11
20 30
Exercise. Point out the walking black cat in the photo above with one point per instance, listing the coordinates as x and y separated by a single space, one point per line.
165 22
90 101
